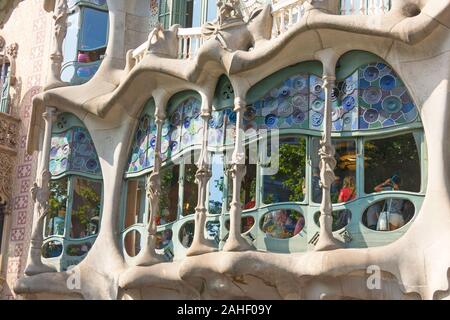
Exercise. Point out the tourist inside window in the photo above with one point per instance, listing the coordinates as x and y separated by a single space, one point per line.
282 224
389 214
392 164
85 42
343 189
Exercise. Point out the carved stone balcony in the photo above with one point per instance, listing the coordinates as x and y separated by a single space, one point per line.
9 127
285 13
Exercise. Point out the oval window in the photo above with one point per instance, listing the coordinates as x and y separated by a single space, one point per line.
78 250
52 249
282 224
132 243
163 238
341 218
187 234
389 214
246 224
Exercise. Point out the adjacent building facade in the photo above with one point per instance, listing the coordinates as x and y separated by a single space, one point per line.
248 149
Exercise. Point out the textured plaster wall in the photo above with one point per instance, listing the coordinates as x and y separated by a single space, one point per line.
30 26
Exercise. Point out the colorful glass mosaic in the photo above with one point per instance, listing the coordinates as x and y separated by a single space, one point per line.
372 97
142 154
73 151
383 98
181 129
285 106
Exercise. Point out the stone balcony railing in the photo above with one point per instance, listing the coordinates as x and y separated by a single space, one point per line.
286 13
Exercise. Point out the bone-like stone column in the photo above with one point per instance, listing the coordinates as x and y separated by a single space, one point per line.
59 33
149 256
235 241
326 152
200 245
40 194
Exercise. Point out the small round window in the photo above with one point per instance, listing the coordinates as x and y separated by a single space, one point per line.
341 218
52 249
163 238
246 224
132 243
187 234
389 214
282 224
78 250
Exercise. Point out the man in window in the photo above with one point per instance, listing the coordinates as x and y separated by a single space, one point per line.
391 217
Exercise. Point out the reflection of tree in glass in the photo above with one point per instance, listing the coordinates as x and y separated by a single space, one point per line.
86 208
169 192
386 157
57 207
291 172
215 206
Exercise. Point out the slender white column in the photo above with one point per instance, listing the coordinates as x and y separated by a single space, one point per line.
235 241
149 256
200 245
40 194
327 166
59 33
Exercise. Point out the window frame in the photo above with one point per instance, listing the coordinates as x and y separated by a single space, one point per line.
78 11
5 74
69 207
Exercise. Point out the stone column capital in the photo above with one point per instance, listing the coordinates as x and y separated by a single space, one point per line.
49 114
239 104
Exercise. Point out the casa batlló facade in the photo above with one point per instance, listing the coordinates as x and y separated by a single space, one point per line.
291 149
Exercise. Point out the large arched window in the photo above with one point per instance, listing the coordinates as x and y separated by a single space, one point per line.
379 150
180 142
75 202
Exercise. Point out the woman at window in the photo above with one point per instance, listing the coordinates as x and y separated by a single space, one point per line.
347 192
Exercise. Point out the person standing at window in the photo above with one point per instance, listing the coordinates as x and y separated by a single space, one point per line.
347 192
391 218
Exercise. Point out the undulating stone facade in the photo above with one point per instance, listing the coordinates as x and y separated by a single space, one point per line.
143 64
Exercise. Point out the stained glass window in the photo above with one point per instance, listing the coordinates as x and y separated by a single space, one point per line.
181 130
383 98
73 151
143 149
